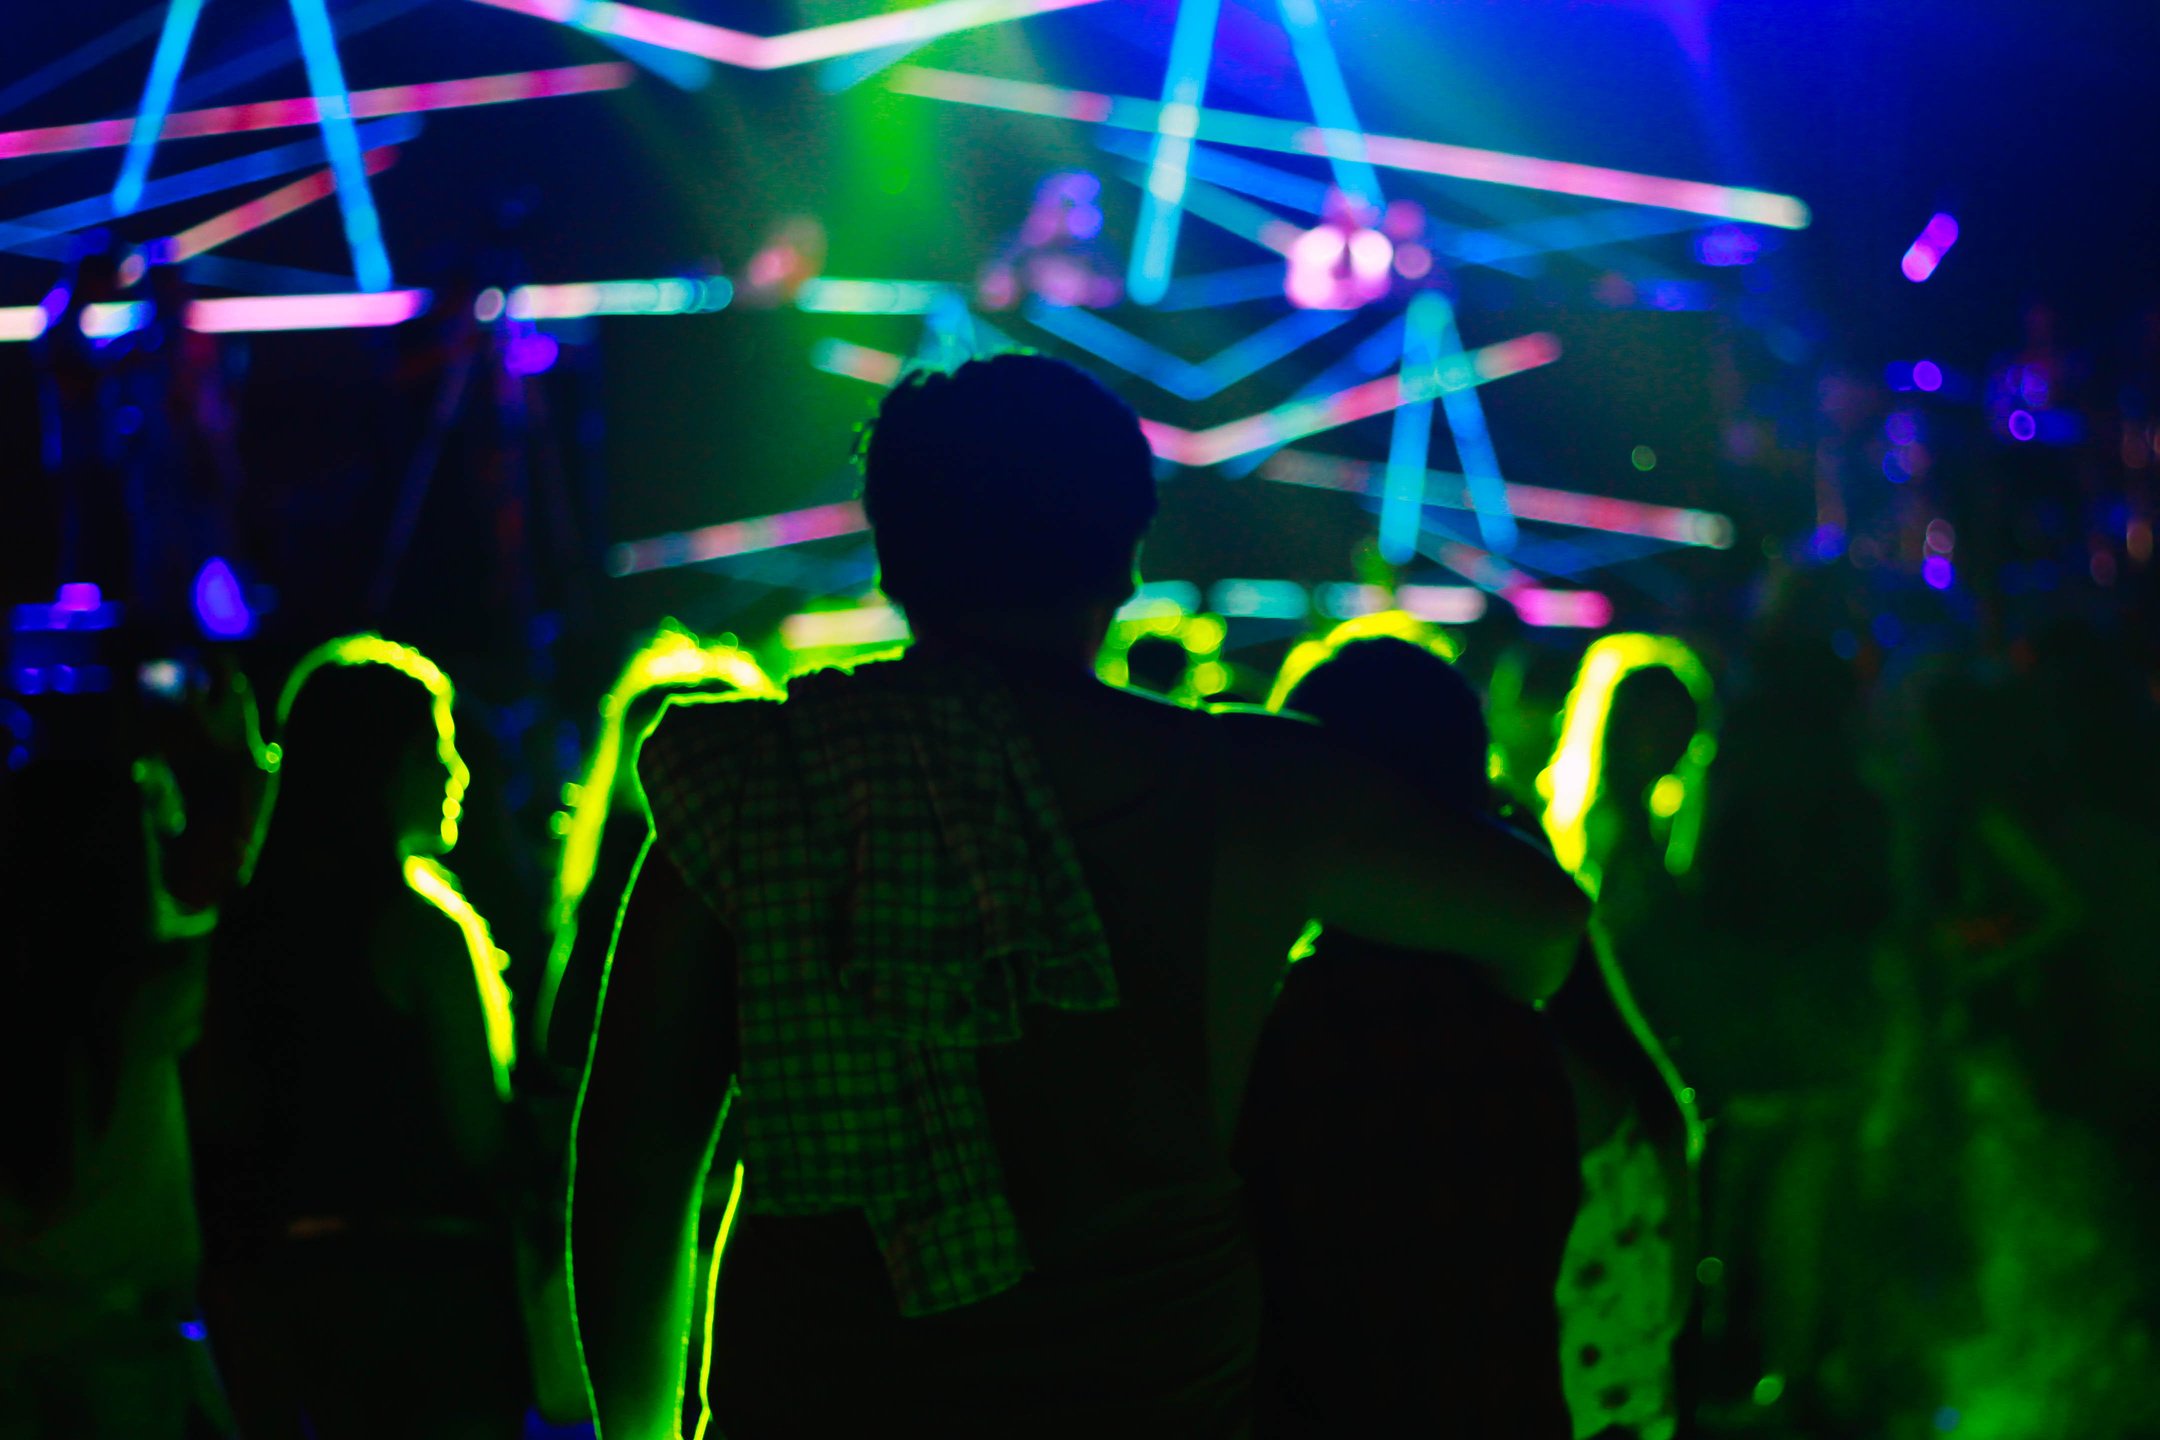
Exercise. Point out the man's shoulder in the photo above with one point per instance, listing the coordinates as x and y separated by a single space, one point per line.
700 718
1264 737
1261 722
1226 719
700 741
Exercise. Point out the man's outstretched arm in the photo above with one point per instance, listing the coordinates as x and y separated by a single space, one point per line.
649 1113
1382 860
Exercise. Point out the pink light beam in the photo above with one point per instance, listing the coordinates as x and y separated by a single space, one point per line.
263 210
1294 421
1536 604
235 314
1570 609
365 105
254 313
1429 157
1528 502
737 537
746 51
856 362
1300 418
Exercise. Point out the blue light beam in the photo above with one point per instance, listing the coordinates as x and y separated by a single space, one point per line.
948 336
1264 347
1128 352
172 46
1372 357
1224 287
1231 213
1192 46
847 71
1402 501
1232 172
326 77
43 233
1323 77
200 86
1185 379
51 77
684 72
1473 444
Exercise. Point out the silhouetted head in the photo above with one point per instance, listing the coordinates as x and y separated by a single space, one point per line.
1011 485
1156 663
366 762
1406 707
1653 720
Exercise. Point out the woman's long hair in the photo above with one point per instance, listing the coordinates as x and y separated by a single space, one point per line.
351 713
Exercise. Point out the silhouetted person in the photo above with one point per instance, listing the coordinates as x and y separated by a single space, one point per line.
98 1235
600 855
1156 663
349 1118
1627 1281
1409 1137
988 945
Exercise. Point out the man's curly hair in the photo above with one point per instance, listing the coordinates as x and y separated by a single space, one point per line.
1015 480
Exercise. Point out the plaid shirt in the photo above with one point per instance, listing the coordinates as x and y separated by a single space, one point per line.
892 864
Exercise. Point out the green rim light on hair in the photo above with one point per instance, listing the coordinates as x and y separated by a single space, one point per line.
1202 636
371 649
424 876
1572 784
432 883
1308 655
673 657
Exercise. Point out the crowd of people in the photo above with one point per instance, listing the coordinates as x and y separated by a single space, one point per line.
951 1003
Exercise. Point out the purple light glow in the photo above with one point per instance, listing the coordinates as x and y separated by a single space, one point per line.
1727 245
1937 571
1333 267
220 607
77 605
1927 375
1925 253
531 354
2022 425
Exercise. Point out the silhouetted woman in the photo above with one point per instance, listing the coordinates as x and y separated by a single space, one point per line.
1624 797
349 1104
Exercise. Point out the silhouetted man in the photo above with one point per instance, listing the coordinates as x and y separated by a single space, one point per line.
987 945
